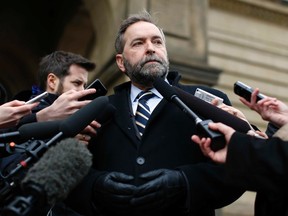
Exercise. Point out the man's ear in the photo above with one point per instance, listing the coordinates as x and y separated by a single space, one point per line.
120 62
52 82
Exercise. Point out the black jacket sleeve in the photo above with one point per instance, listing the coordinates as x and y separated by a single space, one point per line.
258 164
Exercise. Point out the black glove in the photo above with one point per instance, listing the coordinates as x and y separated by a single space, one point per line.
113 191
164 187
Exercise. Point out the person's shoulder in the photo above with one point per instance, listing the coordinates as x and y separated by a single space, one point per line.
120 91
211 90
192 89
122 87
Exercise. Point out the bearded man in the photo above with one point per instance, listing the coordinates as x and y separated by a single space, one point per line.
147 164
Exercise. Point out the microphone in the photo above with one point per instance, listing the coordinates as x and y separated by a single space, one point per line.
212 112
99 109
169 93
51 179
36 130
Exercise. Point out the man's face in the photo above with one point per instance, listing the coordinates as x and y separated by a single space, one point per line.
144 57
76 79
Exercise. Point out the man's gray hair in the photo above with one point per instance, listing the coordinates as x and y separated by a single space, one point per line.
142 16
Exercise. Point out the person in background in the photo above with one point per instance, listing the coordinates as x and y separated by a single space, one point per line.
257 164
64 76
155 170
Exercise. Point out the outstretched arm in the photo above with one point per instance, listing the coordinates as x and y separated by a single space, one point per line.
270 109
11 112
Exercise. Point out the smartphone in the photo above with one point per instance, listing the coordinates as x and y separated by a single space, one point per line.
100 90
245 91
207 96
37 98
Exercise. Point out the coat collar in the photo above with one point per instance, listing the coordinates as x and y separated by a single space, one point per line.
173 78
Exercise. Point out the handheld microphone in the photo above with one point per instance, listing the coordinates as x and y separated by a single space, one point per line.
169 93
36 130
51 179
99 109
212 112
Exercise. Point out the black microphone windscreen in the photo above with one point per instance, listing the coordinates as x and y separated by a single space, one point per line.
209 111
96 109
106 114
164 88
39 130
59 170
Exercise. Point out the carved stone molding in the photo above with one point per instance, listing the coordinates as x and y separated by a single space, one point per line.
201 74
267 11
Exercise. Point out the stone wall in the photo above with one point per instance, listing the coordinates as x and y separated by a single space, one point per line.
247 41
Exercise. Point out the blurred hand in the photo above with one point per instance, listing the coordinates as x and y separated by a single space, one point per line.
11 112
258 134
86 135
164 187
65 105
233 111
114 191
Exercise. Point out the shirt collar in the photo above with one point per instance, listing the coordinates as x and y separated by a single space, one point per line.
135 91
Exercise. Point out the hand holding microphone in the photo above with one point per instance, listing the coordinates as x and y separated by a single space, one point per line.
99 109
218 156
212 112
203 130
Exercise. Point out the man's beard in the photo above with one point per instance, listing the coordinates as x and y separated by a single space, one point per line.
60 89
145 74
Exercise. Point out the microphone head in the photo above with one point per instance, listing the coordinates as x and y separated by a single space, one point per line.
164 89
106 114
99 108
39 130
209 111
59 170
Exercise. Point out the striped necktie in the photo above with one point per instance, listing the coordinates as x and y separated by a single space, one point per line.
143 111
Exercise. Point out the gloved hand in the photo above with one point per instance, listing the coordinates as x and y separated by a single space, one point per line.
113 191
164 187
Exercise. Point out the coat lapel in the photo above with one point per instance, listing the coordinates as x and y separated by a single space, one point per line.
124 117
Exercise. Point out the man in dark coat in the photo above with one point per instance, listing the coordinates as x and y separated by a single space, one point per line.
159 171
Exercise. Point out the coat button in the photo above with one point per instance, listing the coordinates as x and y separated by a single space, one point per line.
140 160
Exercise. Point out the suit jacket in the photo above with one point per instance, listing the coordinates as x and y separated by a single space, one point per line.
166 143
260 165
